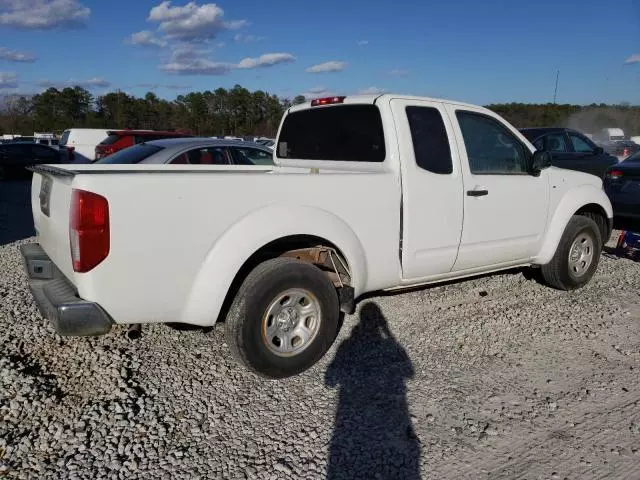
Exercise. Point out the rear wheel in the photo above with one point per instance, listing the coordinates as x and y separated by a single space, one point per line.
283 319
577 256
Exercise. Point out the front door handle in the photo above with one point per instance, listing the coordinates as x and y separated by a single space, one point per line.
477 193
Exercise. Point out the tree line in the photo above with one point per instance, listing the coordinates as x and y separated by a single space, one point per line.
237 111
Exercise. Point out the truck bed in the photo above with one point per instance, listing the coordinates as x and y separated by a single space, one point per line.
164 222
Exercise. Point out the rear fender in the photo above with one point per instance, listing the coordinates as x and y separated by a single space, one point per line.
572 201
235 246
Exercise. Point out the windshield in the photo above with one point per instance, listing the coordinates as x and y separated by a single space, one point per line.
131 155
635 158
64 138
351 133
110 140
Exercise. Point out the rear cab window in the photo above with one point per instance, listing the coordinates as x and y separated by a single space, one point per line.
345 133
430 141
131 155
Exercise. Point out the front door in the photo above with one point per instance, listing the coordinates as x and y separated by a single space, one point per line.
431 188
583 156
505 207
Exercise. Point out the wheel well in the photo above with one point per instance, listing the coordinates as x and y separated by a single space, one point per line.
598 215
308 248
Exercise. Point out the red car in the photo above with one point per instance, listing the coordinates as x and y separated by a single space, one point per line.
119 139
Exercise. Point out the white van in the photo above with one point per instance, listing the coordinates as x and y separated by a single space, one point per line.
610 135
82 142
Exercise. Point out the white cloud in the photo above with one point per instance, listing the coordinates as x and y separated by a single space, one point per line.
239 37
15 56
95 82
362 43
197 66
333 66
43 14
318 90
170 86
317 93
372 91
191 62
146 38
192 21
266 60
8 80
635 58
398 72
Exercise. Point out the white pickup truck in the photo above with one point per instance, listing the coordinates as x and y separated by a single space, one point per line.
368 193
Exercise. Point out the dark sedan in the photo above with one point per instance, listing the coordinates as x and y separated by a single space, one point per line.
622 184
15 156
571 149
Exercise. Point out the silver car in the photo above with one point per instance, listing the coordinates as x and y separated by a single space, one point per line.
193 151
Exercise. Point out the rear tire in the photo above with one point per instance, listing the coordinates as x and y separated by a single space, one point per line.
577 256
283 319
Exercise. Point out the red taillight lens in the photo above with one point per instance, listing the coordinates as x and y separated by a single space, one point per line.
71 151
625 152
615 174
88 230
327 101
104 151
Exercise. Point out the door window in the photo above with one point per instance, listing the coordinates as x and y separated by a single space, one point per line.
203 156
251 156
491 148
580 144
556 142
430 142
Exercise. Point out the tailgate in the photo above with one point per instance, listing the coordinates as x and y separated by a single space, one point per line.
50 203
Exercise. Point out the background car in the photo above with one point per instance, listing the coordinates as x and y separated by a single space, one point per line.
119 139
622 185
193 151
15 156
571 149
81 143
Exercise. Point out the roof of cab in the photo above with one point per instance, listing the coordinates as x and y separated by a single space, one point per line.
371 99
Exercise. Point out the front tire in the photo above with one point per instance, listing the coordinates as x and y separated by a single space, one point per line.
283 319
577 256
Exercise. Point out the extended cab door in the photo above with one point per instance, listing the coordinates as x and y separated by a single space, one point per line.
431 188
505 208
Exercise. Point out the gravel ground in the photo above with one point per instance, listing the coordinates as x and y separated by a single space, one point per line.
496 377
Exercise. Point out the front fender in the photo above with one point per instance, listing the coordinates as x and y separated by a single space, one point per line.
572 201
252 232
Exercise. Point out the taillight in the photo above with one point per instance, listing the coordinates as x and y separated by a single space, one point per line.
615 174
625 152
104 151
88 230
327 101
71 151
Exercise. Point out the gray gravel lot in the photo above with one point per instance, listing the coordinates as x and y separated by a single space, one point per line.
496 377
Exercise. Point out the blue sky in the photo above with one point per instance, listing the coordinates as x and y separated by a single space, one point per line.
480 52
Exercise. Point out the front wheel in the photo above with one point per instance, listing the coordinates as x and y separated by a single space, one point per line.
283 319
577 256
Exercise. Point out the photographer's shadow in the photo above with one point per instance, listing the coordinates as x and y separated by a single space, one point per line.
373 435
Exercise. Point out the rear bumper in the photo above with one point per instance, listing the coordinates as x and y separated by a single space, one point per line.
57 298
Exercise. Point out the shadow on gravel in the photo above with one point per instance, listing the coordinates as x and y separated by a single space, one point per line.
373 436
16 219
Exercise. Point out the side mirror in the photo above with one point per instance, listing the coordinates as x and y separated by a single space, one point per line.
598 151
539 161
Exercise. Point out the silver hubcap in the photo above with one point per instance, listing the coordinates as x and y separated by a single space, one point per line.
291 322
581 255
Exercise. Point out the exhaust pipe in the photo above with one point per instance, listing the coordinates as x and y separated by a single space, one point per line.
134 332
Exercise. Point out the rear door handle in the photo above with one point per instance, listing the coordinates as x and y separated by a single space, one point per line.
477 193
